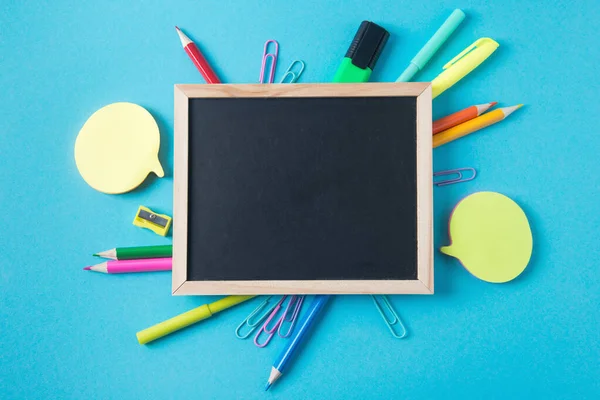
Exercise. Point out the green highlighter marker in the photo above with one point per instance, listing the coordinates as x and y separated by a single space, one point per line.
364 51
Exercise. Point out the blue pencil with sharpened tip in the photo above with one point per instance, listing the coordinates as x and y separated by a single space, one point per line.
303 327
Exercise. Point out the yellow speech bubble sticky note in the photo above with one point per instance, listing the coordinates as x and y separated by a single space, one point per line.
490 236
118 147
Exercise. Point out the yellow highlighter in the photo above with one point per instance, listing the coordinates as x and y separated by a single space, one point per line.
462 64
188 318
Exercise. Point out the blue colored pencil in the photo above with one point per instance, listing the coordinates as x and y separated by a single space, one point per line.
295 341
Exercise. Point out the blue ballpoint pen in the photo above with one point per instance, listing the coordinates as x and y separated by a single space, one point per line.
295 341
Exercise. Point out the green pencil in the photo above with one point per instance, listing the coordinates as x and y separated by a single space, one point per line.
132 253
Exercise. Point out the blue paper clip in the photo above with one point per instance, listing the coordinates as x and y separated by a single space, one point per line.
253 325
394 320
459 176
293 75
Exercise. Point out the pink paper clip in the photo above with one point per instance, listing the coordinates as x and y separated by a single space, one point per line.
265 328
293 318
459 176
266 57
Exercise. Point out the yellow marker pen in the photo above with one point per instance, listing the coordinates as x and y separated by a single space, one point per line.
462 64
188 318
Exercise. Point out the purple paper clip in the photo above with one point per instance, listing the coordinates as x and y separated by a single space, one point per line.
458 179
266 57
293 318
265 328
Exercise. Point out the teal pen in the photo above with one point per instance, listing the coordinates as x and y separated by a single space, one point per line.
296 340
433 45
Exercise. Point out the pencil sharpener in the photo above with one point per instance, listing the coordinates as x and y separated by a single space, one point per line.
157 223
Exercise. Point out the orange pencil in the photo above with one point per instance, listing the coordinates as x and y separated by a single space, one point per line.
461 116
473 125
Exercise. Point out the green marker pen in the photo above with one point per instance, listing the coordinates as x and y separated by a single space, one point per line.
364 51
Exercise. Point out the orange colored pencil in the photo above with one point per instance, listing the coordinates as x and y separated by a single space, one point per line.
461 116
473 125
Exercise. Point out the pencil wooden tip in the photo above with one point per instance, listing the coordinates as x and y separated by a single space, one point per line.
182 37
509 110
87 268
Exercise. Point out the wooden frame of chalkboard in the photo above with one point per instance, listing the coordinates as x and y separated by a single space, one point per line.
203 222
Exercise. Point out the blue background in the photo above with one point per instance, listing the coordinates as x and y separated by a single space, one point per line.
66 333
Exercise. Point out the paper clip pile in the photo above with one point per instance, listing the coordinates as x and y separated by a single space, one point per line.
265 313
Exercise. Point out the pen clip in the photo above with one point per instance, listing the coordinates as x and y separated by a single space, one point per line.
462 54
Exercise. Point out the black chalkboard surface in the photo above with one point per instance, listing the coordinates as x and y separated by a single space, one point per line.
293 189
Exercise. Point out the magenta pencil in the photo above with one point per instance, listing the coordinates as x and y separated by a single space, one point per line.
123 266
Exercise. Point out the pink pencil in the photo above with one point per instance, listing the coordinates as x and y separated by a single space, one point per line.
122 266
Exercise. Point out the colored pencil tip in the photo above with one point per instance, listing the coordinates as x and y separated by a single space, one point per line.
95 255
493 103
87 268
268 386
176 27
519 106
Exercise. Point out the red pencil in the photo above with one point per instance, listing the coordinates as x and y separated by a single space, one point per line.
460 116
197 58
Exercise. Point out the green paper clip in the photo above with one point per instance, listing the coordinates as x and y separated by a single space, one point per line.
290 74
254 325
394 320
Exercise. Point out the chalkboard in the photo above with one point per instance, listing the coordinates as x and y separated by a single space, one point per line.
302 189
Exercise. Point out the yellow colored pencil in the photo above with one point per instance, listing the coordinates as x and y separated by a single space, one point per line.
473 125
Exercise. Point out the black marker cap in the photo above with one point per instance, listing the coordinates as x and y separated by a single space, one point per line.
367 45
